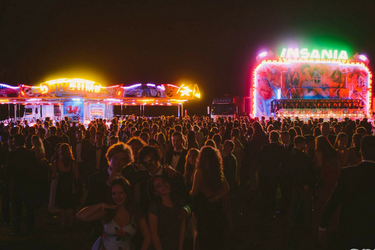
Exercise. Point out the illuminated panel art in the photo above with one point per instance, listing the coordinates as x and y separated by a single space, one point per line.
310 79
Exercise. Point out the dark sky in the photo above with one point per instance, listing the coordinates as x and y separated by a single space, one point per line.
212 43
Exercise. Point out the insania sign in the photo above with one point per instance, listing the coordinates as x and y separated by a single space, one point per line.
314 54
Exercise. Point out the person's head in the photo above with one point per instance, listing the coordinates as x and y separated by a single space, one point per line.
177 141
113 140
325 129
65 153
228 147
337 129
341 140
235 132
161 138
119 155
274 137
210 143
136 144
99 137
292 134
368 147
36 141
41 132
192 155
79 135
144 136
285 137
149 158
52 130
362 131
121 194
356 140
210 161
300 142
217 139
159 186
191 137
18 141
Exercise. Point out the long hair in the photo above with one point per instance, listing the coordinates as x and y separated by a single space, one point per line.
56 153
189 168
66 154
210 161
323 145
155 198
129 202
38 147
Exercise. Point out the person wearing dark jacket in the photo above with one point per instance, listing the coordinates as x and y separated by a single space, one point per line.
271 157
176 158
300 175
23 174
355 190
149 157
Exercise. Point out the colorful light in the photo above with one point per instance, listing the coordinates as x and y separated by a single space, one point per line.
314 54
289 61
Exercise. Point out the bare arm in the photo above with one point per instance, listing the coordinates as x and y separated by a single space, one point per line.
224 190
92 213
153 221
182 234
145 233
196 182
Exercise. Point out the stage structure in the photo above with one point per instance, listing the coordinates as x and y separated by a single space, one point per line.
83 100
311 83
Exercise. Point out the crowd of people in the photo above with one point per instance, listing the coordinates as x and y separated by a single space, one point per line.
169 183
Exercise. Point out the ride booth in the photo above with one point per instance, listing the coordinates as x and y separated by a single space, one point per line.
83 100
312 83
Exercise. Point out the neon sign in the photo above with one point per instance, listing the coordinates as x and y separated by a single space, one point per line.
314 54
74 84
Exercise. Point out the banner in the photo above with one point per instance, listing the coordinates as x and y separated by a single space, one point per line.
96 111
74 110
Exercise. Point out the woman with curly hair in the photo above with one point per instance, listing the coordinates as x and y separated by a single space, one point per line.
120 217
209 187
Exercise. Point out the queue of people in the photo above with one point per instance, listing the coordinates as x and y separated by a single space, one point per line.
169 183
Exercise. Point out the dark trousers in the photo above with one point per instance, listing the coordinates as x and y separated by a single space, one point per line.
17 206
268 188
5 206
300 202
286 192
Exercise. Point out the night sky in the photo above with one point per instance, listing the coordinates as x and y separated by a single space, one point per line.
211 43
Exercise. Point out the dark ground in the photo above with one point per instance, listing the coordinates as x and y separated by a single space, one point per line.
251 231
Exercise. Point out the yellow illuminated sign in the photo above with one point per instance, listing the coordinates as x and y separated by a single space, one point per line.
74 84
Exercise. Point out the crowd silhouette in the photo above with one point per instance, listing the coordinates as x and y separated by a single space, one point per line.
169 183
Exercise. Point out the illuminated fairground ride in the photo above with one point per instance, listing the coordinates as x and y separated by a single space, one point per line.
83 100
312 83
